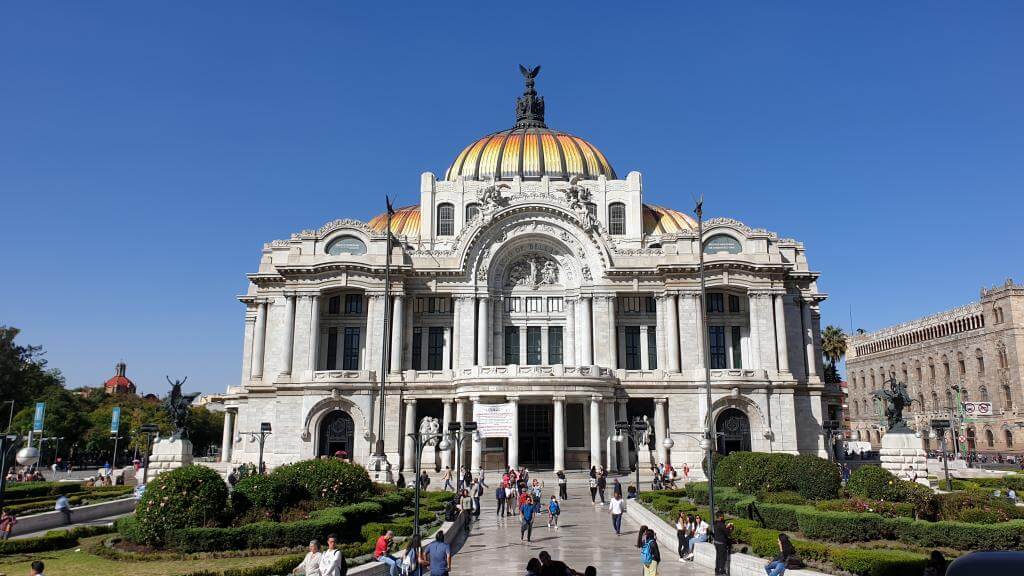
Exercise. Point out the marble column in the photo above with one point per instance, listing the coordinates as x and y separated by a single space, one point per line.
698 307
289 334
397 322
513 439
671 319
409 452
755 300
624 445
782 347
460 417
609 431
477 442
587 336
446 419
645 351
456 339
613 343
544 345
569 346
483 348
559 403
259 340
314 333
660 428
522 345
227 440
595 430
812 369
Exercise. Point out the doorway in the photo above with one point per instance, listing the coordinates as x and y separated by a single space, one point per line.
733 429
337 435
536 436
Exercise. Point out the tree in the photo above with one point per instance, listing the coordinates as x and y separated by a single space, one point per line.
24 377
205 428
833 348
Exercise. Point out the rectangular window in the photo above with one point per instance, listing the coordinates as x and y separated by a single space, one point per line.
418 305
574 426
716 303
629 304
716 342
512 305
332 348
652 347
334 305
435 348
555 305
734 303
632 345
651 305
353 303
555 344
533 345
737 347
417 348
534 304
350 355
511 345
962 366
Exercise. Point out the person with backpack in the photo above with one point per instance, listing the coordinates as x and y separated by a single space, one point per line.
332 561
411 557
650 556
554 509
499 497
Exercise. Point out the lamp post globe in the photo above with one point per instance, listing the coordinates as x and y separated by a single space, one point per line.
668 443
705 444
27 456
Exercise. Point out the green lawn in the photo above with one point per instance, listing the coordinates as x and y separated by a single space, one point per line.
82 563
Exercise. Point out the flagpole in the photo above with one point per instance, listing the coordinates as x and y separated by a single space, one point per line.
386 345
708 434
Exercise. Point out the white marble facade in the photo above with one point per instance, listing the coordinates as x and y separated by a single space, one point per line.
563 293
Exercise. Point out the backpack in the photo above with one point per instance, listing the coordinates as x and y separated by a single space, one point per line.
646 555
553 508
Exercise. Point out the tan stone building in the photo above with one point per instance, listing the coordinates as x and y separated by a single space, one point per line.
978 348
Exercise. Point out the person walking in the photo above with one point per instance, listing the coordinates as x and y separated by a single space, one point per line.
310 565
526 528
446 477
684 528
650 556
499 497
510 499
465 502
554 510
700 534
786 558
478 492
617 506
411 557
64 507
438 555
722 537
7 521
686 473
563 485
616 486
424 480
593 485
332 561
602 483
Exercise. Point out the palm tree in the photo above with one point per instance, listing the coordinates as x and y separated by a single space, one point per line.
833 348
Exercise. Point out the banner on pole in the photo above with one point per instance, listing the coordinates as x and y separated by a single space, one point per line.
495 420
115 420
37 421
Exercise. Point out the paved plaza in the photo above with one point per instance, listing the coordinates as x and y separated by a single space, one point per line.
584 537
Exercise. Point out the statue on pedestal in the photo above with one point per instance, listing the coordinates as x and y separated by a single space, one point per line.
896 399
177 406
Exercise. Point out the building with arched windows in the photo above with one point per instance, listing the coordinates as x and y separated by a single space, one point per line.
534 277
974 353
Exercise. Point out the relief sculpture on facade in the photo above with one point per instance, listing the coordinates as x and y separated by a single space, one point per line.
532 271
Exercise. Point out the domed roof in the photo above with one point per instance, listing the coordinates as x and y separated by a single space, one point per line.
119 384
657 220
529 149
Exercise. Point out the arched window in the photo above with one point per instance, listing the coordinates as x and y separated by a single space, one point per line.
961 366
983 394
917 370
1003 361
903 371
1007 398
931 370
965 395
445 219
949 399
935 401
981 361
472 210
920 401
945 367
1009 438
346 245
617 218
990 438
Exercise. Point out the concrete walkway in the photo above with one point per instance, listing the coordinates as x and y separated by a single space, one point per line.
584 538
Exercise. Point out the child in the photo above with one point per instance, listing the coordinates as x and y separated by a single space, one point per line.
553 510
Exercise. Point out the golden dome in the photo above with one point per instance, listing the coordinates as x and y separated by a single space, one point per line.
405 222
529 149
657 220
661 220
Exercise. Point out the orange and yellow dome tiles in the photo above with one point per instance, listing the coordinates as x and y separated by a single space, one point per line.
530 152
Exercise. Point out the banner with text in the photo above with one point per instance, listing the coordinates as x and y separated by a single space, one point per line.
495 420
37 420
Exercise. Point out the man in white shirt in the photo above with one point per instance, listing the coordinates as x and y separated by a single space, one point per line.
617 506
332 561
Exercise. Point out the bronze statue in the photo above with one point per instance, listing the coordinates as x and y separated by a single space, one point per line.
177 406
896 399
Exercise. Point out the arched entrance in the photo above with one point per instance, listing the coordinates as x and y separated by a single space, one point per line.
337 434
733 429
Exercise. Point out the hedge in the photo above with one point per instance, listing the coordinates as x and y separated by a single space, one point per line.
280 566
780 516
37 489
877 562
187 497
874 482
958 535
757 472
329 481
52 540
839 526
271 492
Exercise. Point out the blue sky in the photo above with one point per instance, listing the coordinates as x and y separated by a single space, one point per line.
149 149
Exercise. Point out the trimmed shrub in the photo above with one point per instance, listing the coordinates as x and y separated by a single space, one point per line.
954 505
52 540
781 516
188 497
329 481
958 535
814 478
727 469
787 497
36 489
877 562
875 483
271 492
839 526
280 566
858 504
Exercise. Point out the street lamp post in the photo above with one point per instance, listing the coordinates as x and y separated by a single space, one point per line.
707 364
459 432
113 464
623 430
261 437
380 464
938 428
25 457
420 441
705 444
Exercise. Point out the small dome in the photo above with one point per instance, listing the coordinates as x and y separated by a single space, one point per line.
661 220
529 150
119 384
405 222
